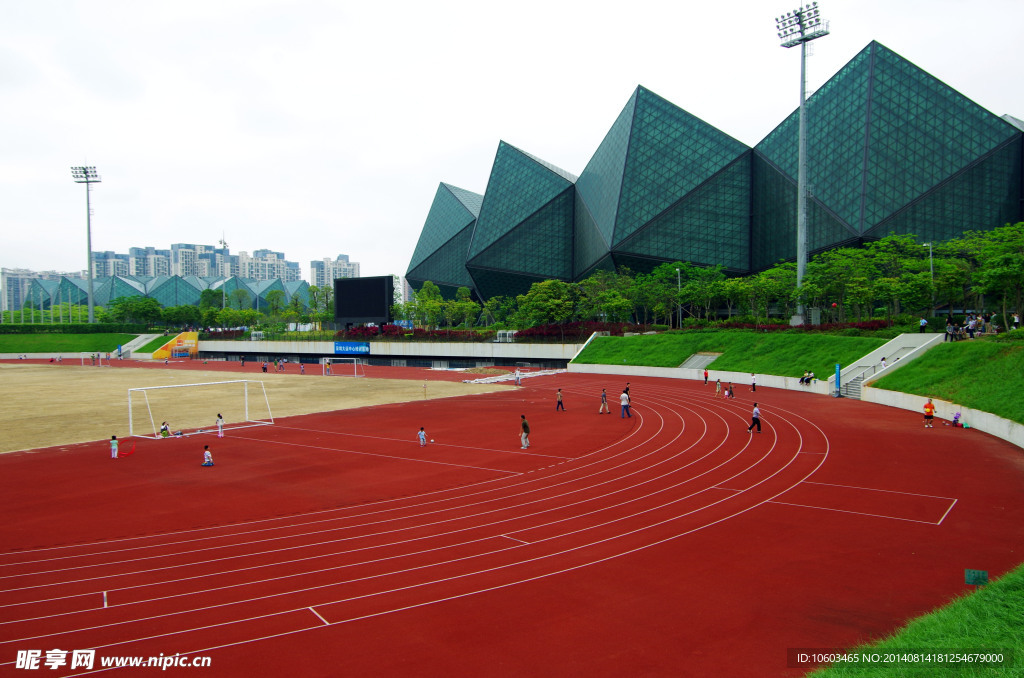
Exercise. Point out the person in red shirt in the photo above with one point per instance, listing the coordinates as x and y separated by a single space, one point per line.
929 413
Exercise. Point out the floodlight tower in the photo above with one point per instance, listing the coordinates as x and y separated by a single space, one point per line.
87 176
799 27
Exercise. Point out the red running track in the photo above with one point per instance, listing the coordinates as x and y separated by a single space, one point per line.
670 544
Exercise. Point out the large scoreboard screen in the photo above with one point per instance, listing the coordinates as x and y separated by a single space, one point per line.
363 300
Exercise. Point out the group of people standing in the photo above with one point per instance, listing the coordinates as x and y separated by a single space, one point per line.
623 402
975 323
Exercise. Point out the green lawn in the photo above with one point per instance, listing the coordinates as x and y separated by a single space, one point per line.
989 619
781 354
62 343
981 374
155 344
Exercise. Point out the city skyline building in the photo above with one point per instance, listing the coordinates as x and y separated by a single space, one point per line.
15 284
325 271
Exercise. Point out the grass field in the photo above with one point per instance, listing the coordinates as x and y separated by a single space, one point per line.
62 343
154 345
988 620
981 374
785 355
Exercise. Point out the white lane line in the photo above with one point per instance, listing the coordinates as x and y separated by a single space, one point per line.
858 513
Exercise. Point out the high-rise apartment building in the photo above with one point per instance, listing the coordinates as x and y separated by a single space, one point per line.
325 271
106 264
149 261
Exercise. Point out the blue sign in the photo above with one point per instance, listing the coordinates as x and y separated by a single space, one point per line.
976 577
838 389
351 347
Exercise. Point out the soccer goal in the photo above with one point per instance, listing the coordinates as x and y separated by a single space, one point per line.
97 359
343 367
524 367
193 408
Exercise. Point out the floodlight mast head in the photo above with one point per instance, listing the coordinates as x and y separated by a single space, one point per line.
85 175
801 25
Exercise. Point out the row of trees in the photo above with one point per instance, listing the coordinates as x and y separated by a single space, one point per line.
885 278
215 309
896 275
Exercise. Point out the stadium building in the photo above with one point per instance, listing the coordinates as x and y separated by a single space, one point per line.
168 290
891 149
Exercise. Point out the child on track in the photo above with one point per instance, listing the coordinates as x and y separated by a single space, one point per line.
423 437
207 456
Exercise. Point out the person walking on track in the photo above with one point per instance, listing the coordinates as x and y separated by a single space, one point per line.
755 419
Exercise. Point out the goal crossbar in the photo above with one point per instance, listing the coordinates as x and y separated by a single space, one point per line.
342 367
195 414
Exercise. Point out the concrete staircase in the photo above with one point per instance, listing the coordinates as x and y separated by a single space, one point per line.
897 352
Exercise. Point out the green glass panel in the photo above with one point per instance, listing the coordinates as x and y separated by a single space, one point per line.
921 132
982 197
519 185
540 246
446 265
491 283
600 183
773 219
589 242
836 126
670 153
175 292
710 225
451 212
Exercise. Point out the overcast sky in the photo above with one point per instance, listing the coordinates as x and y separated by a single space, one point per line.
318 128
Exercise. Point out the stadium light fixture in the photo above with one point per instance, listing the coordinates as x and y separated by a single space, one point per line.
799 27
87 176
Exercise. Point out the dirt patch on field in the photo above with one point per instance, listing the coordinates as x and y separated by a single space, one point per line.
49 405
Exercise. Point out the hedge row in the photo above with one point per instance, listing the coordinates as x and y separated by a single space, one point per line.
74 328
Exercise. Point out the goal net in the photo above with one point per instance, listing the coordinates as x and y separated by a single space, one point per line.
97 359
343 367
193 408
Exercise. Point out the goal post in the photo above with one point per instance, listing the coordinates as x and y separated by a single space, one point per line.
193 408
95 358
343 367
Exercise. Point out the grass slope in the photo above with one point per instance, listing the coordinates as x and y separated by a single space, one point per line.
62 343
781 354
981 374
986 620
154 344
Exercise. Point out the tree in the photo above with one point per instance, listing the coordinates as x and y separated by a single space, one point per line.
211 298
210 318
1001 260
240 298
703 289
602 296
296 311
180 316
134 310
229 317
550 301
275 302
429 305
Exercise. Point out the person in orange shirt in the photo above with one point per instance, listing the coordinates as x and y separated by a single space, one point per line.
929 413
